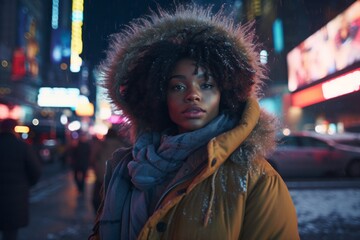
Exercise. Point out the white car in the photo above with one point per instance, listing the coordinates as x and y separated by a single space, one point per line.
309 154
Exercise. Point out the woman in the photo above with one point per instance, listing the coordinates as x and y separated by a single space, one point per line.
189 82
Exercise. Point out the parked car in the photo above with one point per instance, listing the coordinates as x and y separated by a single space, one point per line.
347 138
310 154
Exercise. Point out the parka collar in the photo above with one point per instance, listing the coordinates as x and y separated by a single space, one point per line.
221 147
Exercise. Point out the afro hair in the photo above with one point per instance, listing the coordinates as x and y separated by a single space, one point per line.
142 56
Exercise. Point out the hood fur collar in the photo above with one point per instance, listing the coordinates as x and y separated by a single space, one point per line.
126 46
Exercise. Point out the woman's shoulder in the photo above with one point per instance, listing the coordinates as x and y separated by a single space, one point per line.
261 173
122 154
252 172
257 165
261 167
119 160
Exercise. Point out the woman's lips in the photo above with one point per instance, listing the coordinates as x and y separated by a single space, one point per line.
193 112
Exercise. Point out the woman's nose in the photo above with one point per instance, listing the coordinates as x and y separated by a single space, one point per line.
193 95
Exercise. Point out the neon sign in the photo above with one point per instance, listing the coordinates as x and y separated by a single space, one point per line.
344 84
76 35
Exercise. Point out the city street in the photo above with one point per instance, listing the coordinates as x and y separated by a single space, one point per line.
176 79
57 210
327 209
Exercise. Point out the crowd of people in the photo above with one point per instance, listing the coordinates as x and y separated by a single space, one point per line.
88 152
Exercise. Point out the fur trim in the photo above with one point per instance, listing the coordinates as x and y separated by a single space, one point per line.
126 47
261 141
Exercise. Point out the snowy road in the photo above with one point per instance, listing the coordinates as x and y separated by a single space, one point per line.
330 211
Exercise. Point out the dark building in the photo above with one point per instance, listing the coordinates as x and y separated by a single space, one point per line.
35 39
23 56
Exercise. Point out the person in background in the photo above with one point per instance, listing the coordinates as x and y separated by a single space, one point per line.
103 152
189 81
80 160
20 169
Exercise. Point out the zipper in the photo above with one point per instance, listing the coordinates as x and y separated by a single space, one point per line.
180 181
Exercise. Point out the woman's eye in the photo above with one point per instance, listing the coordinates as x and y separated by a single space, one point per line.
177 87
207 86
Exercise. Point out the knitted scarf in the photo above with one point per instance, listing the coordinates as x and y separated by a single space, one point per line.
156 159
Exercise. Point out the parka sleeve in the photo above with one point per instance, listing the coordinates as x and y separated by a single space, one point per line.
269 212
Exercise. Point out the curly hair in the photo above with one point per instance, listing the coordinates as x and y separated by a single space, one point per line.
137 74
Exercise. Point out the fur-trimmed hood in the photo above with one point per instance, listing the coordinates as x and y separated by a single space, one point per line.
253 137
186 25
261 141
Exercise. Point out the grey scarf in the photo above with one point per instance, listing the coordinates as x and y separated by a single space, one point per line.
156 156
156 159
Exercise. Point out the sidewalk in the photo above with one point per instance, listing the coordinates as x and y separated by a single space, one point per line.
58 211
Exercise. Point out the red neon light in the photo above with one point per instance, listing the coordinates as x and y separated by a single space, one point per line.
344 84
307 96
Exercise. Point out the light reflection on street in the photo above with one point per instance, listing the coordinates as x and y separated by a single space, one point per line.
58 211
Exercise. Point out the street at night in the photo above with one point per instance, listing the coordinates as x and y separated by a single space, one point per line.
57 210
327 209
151 99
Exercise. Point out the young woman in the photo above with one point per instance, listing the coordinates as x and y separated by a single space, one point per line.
189 81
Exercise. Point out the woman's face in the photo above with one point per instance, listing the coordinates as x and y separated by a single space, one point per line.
192 100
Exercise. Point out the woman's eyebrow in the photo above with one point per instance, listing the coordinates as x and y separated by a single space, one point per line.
177 76
202 74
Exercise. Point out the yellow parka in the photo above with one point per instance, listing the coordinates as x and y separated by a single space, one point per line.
237 195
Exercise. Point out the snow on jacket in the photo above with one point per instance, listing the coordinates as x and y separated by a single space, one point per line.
236 195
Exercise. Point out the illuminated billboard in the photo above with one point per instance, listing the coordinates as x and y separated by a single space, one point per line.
60 46
26 56
332 48
58 97
344 84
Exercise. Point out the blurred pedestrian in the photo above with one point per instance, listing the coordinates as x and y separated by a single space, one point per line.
103 153
189 81
80 160
20 169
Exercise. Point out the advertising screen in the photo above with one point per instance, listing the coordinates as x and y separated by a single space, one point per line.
332 48
26 57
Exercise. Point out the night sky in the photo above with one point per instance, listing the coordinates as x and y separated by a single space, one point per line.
301 19
103 18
